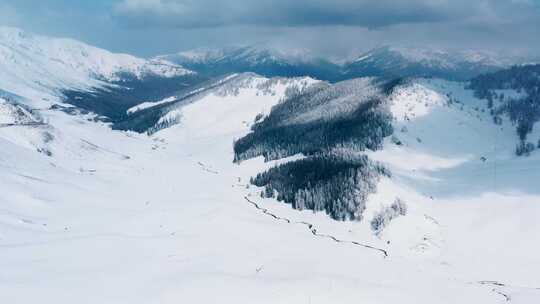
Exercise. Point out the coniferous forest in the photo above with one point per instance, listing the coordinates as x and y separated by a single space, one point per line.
336 183
522 107
333 176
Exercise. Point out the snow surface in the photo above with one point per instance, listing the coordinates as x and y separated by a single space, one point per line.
119 217
456 168
150 104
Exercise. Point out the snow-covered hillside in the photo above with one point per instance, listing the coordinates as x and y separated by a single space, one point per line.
39 67
151 117
93 215
102 213
227 102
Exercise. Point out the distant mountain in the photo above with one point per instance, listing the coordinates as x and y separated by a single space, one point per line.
384 61
262 60
452 65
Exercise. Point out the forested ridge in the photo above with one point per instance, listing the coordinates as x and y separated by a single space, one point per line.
330 125
309 123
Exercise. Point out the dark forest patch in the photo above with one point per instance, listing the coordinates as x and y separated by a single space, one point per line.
334 177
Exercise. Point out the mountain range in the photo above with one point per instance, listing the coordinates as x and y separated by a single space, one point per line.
422 62
383 61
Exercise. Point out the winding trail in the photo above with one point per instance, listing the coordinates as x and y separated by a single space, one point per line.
94 146
494 285
206 168
313 230
497 286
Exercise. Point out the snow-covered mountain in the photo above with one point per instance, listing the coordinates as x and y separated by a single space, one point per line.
408 61
236 182
40 67
382 61
47 70
258 59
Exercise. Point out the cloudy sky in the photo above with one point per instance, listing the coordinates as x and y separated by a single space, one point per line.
329 27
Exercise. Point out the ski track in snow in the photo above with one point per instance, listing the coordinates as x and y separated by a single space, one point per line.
310 226
123 156
207 168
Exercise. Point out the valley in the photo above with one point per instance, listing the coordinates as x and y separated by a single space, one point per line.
159 204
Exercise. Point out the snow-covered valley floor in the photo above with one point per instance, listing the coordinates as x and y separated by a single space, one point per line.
116 217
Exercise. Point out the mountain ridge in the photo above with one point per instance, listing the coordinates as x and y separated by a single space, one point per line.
34 64
381 61
266 61
457 65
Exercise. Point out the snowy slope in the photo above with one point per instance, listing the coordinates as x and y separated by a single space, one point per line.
92 215
106 213
464 189
38 67
153 116
225 104
193 92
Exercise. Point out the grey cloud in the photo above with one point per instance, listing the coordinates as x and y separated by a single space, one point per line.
336 28
214 13
339 27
